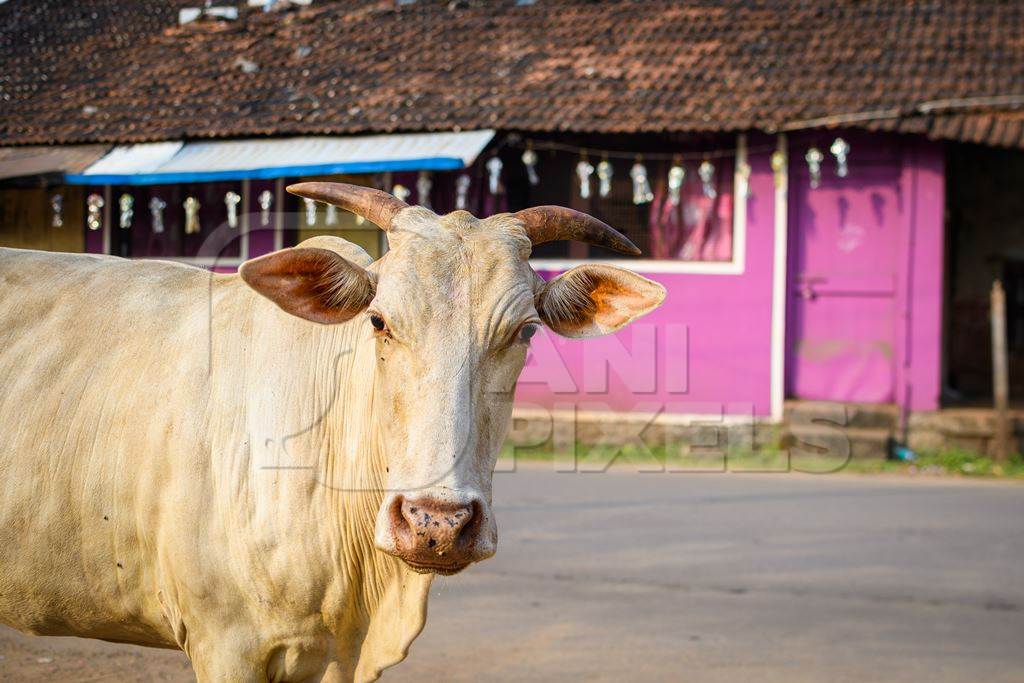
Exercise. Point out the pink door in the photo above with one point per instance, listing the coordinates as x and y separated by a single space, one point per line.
843 267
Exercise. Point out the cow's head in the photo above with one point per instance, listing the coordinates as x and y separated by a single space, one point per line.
452 307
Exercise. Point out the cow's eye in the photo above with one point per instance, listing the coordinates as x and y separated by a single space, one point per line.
526 332
377 322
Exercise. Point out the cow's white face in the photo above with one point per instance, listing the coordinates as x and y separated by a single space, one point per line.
452 308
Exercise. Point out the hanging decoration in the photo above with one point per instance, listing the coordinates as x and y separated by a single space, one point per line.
401 192
266 200
126 203
778 162
424 184
331 215
94 204
191 205
156 210
604 176
676 176
584 169
310 205
231 200
494 175
57 205
814 157
840 150
642 193
743 170
462 192
706 171
530 162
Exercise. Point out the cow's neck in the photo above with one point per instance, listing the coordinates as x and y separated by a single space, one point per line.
317 453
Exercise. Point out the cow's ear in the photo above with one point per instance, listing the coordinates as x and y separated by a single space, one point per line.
591 300
315 284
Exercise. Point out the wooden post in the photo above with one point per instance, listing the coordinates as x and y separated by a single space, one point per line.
243 239
1000 371
279 214
107 197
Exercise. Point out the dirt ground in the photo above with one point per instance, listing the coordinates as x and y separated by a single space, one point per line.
645 577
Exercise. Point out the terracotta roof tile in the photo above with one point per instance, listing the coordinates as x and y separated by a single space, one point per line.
125 71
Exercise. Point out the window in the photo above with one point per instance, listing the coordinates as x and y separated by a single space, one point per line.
698 233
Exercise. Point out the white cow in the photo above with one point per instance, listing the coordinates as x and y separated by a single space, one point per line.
271 488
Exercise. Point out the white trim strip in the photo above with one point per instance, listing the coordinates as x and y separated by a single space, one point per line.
635 417
740 197
779 285
646 265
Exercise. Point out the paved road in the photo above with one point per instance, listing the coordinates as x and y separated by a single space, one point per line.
648 577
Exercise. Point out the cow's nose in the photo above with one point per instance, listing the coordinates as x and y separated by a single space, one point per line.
435 535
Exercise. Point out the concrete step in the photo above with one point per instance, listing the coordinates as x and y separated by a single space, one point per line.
858 415
834 442
975 422
969 429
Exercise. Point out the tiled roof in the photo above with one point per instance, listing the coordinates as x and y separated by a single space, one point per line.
124 70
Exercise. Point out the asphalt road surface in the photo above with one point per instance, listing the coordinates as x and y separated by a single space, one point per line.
670 577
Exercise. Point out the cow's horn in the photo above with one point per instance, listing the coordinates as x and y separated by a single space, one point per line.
550 223
374 205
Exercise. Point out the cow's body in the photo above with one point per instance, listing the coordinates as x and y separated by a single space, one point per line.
266 468
175 471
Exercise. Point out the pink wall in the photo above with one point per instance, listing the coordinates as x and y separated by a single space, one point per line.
865 272
705 351
919 375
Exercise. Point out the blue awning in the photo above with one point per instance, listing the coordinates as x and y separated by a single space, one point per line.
193 162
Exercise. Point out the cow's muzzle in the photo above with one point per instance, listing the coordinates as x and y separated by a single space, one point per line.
435 535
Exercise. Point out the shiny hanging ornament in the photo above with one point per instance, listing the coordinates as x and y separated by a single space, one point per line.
706 171
156 210
642 193
231 200
604 177
310 205
462 192
57 205
331 215
814 157
743 170
423 186
95 204
266 200
676 176
126 204
778 162
494 175
401 192
840 150
530 162
191 205
584 169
